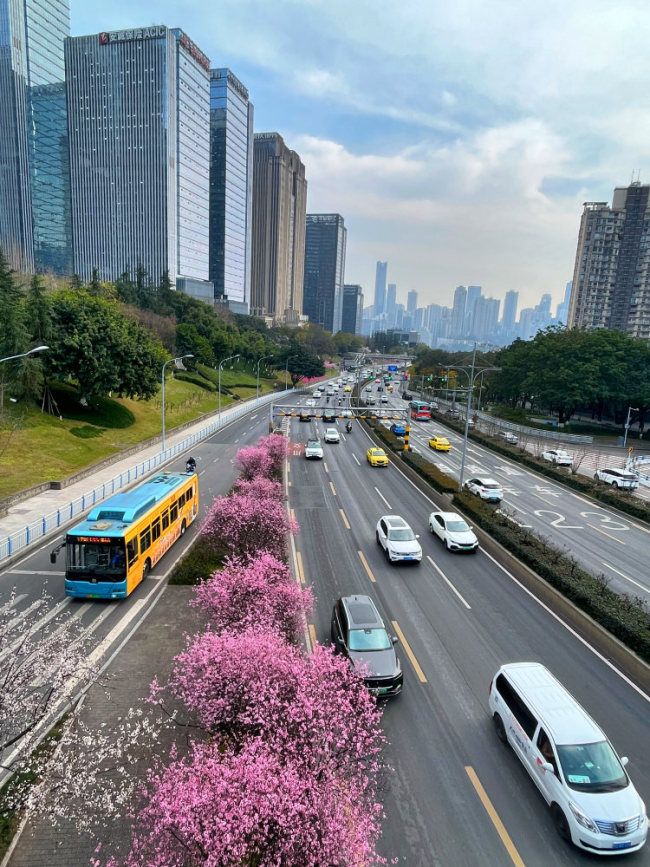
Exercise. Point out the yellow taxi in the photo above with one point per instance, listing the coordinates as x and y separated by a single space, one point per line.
377 457
348 388
440 444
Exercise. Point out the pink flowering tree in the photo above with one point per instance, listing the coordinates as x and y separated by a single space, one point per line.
259 488
253 461
277 447
256 592
246 525
313 709
251 807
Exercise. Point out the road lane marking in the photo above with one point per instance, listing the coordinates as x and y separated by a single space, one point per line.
609 536
494 817
29 572
388 505
293 514
333 489
325 467
288 467
627 577
444 578
639 527
539 497
345 520
253 417
301 571
312 636
568 628
409 652
583 500
366 567
357 460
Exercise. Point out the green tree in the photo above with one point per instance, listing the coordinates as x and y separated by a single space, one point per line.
39 313
301 364
14 334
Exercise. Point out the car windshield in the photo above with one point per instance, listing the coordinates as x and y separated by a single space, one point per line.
457 526
369 639
592 767
402 534
313 444
377 453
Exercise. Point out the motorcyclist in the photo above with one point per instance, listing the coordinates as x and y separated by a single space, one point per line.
348 427
190 465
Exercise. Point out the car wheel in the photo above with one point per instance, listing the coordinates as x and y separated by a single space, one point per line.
145 569
500 728
596 479
561 824
377 537
615 485
183 528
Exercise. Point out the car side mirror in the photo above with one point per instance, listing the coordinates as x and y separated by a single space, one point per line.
417 535
624 760
548 767
394 639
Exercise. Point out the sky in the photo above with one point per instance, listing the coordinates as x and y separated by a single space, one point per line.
457 140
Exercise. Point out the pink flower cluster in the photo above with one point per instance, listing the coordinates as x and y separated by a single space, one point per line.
289 765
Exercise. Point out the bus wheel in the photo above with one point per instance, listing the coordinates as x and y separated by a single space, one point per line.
145 569
183 528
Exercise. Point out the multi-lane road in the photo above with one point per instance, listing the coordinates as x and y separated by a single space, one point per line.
456 795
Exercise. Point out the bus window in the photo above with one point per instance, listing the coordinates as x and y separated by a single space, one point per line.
132 550
155 530
181 500
173 512
165 520
145 539
189 494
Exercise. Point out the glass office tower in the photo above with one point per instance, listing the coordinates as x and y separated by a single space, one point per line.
325 242
231 189
34 179
139 131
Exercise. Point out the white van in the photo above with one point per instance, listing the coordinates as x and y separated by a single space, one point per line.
592 799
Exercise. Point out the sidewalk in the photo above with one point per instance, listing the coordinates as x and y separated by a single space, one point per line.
27 519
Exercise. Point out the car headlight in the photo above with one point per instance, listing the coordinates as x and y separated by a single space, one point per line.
582 819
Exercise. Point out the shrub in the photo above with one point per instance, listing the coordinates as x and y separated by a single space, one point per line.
259 488
253 461
195 379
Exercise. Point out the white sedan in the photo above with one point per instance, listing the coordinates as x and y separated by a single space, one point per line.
453 530
486 489
617 479
558 457
332 435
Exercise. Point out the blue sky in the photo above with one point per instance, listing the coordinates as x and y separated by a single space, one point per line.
458 141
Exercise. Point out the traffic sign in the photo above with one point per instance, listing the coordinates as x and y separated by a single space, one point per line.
392 367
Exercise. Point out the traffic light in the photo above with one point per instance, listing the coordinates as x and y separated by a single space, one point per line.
428 379
443 379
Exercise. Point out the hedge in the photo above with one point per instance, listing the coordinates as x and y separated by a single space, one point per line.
624 616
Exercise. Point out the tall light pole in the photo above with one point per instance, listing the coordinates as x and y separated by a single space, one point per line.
230 358
259 361
630 409
471 376
169 361
12 358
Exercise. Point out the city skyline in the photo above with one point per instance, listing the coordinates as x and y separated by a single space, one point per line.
489 167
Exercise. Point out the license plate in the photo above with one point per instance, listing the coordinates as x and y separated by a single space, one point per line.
384 690
408 558
622 845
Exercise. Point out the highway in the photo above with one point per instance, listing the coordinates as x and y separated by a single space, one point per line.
461 617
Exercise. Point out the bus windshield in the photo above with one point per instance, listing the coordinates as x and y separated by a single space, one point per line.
104 560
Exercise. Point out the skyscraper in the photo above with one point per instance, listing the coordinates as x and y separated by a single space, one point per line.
509 314
325 242
139 129
562 314
412 301
485 317
391 300
473 294
34 178
458 312
352 309
231 189
611 276
279 214
380 288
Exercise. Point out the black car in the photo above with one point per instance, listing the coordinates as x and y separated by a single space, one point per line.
406 395
359 632
305 415
328 415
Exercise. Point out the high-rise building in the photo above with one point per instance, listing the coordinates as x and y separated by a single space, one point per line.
139 130
458 312
485 317
391 300
611 276
231 189
509 314
279 215
325 241
412 301
473 294
380 288
562 314
351 318
34 177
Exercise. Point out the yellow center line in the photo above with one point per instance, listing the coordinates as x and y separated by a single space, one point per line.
609 536
539 497
288 467
333 488
312 636
325 467
301 571
639 527
409 652
494 816
366 567
345 520
288 484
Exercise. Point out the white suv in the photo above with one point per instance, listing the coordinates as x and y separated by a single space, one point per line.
558 457
617 479
486 489
398 540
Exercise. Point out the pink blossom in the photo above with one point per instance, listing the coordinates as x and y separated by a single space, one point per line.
253 461
260 488
246 525
277 447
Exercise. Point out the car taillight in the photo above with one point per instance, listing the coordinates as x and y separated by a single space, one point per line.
490 689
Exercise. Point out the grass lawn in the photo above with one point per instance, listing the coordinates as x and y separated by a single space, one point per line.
44 448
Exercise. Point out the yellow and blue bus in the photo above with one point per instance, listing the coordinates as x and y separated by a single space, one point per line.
110 552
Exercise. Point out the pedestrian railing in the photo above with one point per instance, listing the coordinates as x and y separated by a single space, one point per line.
10 545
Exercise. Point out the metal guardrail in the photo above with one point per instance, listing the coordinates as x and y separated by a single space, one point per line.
10 545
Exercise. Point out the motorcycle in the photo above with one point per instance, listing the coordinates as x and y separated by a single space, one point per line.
348 427
190 465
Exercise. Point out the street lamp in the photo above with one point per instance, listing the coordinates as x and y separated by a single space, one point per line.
472 377
169 361
258 372
230 358
25 354
630 409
